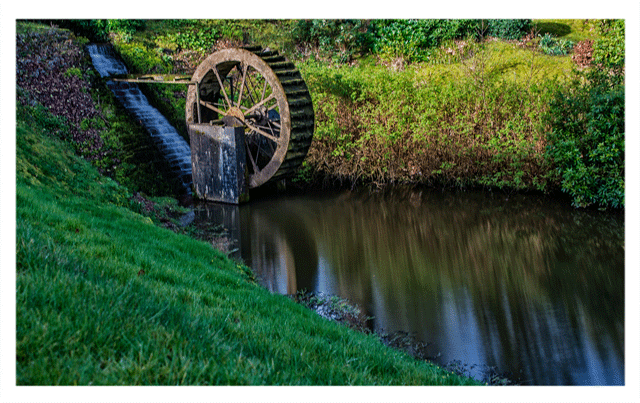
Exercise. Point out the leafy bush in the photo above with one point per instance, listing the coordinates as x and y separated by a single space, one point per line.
140 59
413 40
99 30
410 39
123 26
198 40
608 50
586 143
508 29
555 47
338 39
437 123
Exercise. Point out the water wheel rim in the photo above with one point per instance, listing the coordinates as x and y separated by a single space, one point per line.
213 76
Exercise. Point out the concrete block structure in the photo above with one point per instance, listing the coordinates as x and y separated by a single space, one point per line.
218 161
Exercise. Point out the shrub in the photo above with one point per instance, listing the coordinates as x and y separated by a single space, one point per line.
99 30
435 123
413 40
586 143
338 39
608 49
200 40
508 29
555 47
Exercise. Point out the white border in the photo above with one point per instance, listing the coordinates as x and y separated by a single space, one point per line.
323 9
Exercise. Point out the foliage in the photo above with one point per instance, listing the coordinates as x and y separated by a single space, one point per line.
339 40
410 39
141 59
586 143
407 39
195 39
472 121
99 30
414 40
608 49
508 29
554 46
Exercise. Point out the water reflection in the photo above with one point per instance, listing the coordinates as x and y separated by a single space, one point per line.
524 284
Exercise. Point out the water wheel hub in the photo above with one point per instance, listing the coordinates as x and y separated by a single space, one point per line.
236 113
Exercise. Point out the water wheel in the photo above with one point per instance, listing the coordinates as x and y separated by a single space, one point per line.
260 90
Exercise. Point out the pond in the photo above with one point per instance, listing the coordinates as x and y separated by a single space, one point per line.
525 285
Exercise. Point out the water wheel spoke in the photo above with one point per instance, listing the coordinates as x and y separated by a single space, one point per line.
245 67
212 107
259 104
266 128
263 133
224 92
253 161
251 90
264 90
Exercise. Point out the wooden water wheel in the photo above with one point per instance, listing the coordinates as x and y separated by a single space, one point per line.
260 90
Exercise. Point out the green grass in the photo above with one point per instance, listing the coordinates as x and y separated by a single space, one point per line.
573 30
105 297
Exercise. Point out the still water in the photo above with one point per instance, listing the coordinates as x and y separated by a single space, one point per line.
524 284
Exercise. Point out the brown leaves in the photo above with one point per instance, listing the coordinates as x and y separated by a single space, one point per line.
583 53
43 63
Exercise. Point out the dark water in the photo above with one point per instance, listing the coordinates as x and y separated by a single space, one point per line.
526 285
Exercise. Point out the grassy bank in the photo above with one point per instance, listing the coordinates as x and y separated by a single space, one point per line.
105 296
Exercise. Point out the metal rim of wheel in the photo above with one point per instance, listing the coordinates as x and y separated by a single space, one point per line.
260 90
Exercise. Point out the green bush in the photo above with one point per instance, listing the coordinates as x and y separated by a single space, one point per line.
436 123
337 39
413 40
586 143
608 50
201 40
555 47
99 30
509 29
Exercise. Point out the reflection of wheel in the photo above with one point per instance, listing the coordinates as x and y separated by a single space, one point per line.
261 91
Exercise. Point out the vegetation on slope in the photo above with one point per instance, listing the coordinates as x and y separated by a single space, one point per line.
447 102
104 296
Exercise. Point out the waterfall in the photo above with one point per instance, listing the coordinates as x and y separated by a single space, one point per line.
175 149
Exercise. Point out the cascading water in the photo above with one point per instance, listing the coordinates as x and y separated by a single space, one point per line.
175 149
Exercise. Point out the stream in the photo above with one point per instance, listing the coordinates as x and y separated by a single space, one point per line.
524 285
174 148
